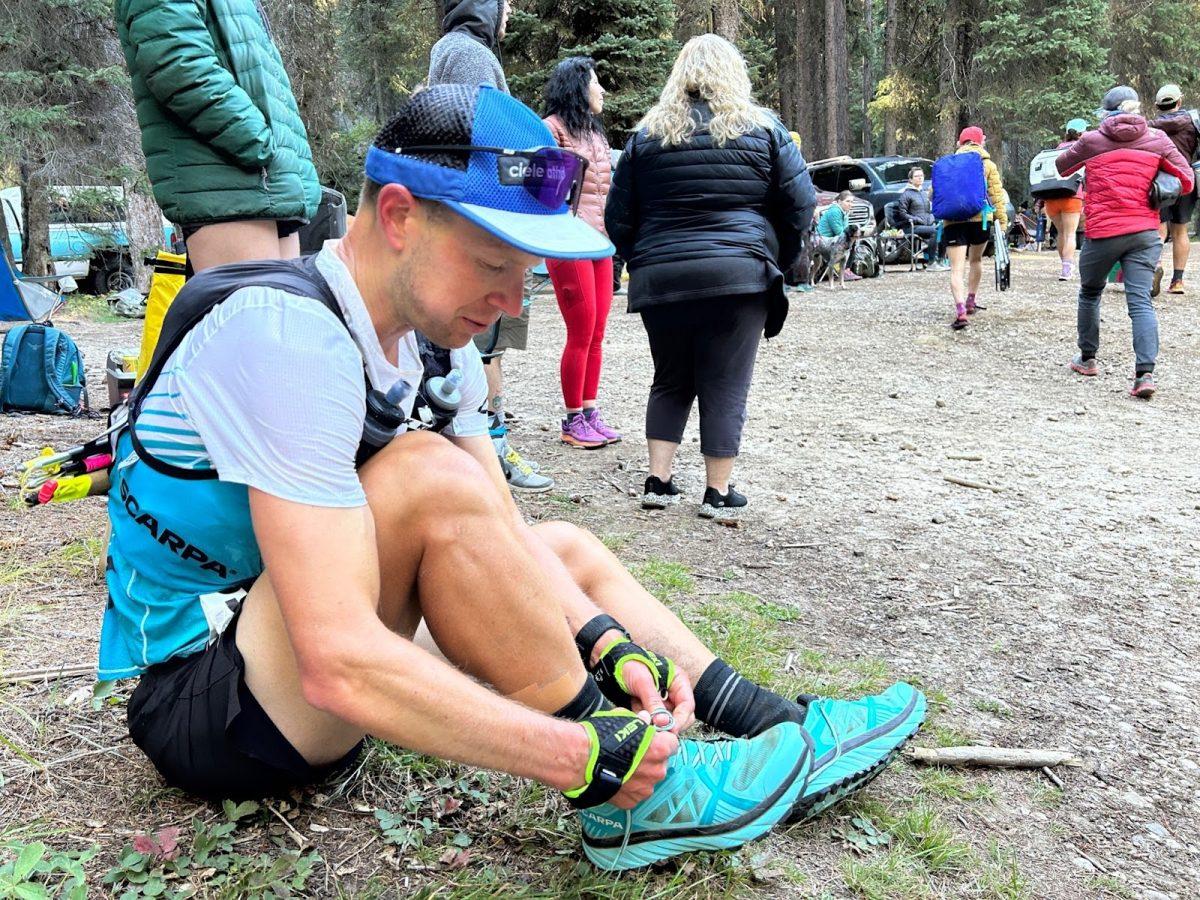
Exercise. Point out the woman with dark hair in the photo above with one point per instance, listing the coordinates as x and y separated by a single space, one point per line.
584 287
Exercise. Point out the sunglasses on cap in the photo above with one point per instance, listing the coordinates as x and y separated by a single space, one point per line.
551 175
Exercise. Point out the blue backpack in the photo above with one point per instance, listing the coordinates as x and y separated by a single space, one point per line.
41 370
959 187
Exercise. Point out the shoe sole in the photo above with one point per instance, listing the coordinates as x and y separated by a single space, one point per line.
540 489
959 324
750 826
1086 373
658 501
1144 393
582 445
721 515
810 806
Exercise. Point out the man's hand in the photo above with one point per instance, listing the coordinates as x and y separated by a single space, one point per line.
651 770
679 702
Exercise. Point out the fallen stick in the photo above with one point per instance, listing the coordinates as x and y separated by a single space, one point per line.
1054 779
811 546
1000 757
978 485
965 457
19 675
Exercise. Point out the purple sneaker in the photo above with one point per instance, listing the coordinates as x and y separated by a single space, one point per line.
577 432
600 426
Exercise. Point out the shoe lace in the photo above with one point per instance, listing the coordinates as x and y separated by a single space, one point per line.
837 738
514 459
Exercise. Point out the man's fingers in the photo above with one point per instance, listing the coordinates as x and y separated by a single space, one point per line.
683 702
640 681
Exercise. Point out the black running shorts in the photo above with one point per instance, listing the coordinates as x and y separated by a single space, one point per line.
965 234
205 733
1180 212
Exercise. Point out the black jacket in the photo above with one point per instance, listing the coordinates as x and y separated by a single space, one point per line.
914 208
697 220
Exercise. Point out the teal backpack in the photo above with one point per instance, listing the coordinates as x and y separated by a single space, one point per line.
41 370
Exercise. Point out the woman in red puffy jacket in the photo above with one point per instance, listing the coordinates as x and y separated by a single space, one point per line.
1122 156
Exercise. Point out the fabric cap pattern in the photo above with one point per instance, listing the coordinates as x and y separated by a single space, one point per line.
469 182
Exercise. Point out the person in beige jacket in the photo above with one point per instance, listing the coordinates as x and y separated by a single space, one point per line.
583 287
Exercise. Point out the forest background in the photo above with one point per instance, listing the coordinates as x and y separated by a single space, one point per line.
858 77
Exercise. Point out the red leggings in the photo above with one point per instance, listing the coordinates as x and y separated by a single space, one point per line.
584 290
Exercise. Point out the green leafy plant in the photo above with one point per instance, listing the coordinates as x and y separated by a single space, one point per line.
37 871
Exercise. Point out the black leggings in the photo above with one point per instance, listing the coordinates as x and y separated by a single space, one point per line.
706 349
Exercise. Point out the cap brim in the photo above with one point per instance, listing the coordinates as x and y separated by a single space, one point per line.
560 236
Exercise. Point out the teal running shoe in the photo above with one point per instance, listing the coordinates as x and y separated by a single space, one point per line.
853 741
717 795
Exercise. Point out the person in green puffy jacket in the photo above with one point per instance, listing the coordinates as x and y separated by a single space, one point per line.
226 150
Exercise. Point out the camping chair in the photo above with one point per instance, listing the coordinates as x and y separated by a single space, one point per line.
25 298
910 241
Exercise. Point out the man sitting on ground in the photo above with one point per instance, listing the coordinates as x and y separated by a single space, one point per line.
267 568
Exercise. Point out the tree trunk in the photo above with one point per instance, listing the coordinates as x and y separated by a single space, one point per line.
727 19
890 28
35 210
868 74
837 79
143 225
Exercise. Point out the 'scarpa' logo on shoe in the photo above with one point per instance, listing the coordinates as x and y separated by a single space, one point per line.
168 538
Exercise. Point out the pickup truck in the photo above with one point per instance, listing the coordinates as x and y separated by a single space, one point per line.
87 235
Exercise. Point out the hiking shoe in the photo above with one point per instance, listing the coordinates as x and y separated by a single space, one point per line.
1088 367
1176 287
973 305
521 475
960 320
601 427
1156 288
805 288
578 432
1065 274
722 508
717 795
659 494
938 266
1143 386
853 741
850 276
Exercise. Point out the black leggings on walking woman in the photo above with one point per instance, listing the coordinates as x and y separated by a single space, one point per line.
703 349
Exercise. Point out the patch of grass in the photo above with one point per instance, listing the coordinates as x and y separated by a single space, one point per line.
75 559
1000 878
993 706
616 542
664 578
1047 796
940 782
1111 887
90 308
828 676
950 736
736 628
886 876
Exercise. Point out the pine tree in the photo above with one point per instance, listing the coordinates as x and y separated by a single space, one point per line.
630 40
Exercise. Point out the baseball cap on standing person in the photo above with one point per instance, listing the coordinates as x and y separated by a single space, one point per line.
489 158
973 134
1168 95
1111 104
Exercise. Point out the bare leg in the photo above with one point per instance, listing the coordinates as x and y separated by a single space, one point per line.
662 457
1066 236
976 271
1180 246
609 585
495 383
229 242
958 265
433 507
717 469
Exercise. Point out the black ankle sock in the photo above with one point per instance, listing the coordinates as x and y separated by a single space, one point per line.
1143 370
587 701
728 702
1087 357
1177 275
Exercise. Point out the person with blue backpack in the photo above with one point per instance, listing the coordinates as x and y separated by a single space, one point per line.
967 194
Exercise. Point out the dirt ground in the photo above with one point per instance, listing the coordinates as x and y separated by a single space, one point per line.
1055 611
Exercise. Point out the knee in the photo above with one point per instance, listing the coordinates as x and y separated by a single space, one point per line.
576 548
420 466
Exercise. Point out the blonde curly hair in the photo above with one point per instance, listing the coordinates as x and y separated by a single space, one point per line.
709 68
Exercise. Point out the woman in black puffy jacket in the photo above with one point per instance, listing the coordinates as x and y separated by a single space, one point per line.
707 208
